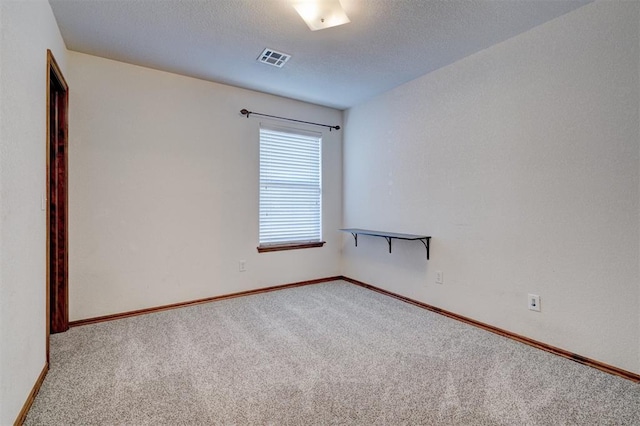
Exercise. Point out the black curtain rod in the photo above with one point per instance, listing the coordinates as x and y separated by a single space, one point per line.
246 112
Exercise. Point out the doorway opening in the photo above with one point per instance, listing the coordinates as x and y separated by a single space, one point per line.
57 201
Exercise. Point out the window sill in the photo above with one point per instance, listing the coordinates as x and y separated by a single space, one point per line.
294 246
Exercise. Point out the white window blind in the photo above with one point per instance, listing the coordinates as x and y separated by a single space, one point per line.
290 186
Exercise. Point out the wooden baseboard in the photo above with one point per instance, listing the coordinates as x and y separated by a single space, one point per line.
32 396
197 302
522 339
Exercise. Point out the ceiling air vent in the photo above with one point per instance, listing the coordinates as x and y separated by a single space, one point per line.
272 57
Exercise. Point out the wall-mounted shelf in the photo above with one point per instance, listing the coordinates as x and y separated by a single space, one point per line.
424 239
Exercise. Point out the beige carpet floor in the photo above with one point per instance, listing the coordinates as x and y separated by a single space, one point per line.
331 353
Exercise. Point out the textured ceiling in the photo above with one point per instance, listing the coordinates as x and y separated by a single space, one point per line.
387 43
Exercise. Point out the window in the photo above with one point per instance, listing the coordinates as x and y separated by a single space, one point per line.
290 189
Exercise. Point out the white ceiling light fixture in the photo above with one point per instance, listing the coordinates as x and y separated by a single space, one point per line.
321 14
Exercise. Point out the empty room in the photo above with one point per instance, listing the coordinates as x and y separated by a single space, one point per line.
319 212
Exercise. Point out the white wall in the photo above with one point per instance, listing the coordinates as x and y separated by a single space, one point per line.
27 30
164 189
522 162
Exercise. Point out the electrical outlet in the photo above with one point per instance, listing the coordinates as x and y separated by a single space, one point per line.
439 277
534 302
242 265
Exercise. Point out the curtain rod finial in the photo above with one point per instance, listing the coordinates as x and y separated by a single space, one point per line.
245 111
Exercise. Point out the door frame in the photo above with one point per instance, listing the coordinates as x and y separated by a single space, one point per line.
56 81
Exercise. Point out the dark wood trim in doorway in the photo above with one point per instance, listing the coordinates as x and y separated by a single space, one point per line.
57 289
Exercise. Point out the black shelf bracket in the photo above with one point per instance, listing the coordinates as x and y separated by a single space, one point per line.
425 242
388 242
